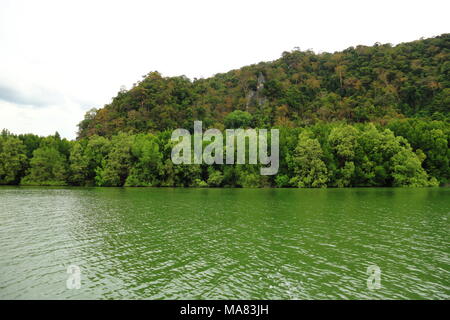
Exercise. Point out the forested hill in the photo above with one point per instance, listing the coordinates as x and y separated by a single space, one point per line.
359 84
365 117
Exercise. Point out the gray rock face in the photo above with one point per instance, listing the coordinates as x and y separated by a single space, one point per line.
256 97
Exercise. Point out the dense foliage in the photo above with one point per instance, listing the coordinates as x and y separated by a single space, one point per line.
407 152
367 116
359 84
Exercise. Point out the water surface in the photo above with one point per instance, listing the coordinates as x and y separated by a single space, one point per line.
148 243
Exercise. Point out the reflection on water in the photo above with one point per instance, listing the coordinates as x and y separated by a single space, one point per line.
224 243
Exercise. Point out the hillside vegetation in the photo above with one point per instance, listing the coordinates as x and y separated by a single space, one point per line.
359 84
366 116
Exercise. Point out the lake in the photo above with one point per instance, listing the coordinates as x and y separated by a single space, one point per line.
163 243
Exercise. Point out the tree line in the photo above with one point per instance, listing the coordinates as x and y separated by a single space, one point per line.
402 152
367 116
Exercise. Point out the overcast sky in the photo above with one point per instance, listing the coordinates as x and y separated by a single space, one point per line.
61 58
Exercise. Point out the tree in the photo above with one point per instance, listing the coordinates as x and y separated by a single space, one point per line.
238 119
407 170
147 169
430 137
78 164
115 167
48 167
310 171
12 159
406 166
215 178
343 141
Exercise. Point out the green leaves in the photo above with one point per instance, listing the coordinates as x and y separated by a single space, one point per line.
116 165
12 159
310 171
47 167
238 119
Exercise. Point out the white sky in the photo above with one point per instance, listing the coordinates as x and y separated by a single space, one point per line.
61 58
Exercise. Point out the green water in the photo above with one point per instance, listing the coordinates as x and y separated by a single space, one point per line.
224 243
